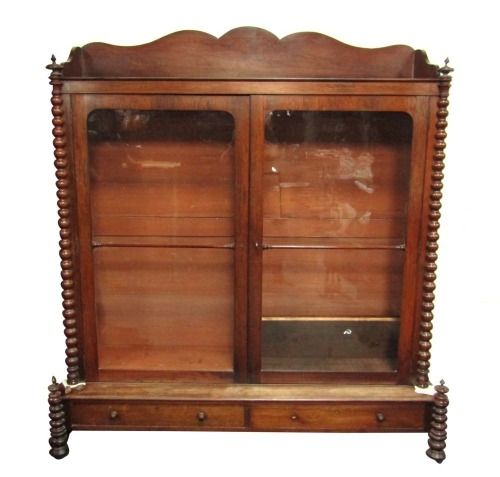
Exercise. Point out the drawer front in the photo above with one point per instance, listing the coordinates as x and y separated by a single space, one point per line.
357 417
159 415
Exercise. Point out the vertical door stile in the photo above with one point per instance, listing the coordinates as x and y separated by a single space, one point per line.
82 105
255 236
241 184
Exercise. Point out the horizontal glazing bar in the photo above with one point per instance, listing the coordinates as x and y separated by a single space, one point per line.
351 246
159 245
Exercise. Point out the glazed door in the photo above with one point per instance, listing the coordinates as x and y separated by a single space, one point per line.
165 181
336 189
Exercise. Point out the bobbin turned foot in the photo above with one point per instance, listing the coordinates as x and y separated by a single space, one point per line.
58 433
437 433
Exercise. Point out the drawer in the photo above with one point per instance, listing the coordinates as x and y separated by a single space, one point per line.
342 417
156 415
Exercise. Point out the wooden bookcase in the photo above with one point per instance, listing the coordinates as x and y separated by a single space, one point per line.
248 235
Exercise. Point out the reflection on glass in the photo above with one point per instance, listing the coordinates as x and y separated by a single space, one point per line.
162 202
166 173
335 186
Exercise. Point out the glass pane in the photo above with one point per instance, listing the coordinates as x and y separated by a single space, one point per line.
162 173
309 282
331 310
164 309
162 202
336 174
335 200
340 345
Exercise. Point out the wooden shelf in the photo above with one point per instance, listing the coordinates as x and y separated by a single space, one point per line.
332 243
249 392
332 318
328 365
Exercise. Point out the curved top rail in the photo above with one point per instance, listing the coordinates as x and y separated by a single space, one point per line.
246 53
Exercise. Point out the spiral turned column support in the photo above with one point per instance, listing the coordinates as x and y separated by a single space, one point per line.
58 432
66 243
437 433
434 214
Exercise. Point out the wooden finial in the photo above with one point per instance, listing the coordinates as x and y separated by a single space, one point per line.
445 70
54 67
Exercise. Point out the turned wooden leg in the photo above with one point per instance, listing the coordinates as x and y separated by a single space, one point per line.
437 433
58 433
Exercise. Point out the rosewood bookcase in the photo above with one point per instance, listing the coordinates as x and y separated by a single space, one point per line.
249 231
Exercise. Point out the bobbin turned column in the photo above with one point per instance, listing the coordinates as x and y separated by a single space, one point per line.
58 432
437 433
434 214
66 242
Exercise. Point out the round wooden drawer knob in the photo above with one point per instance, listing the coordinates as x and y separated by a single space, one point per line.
201 416
380 417
294 417
113 414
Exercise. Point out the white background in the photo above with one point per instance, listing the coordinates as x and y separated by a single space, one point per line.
467 304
